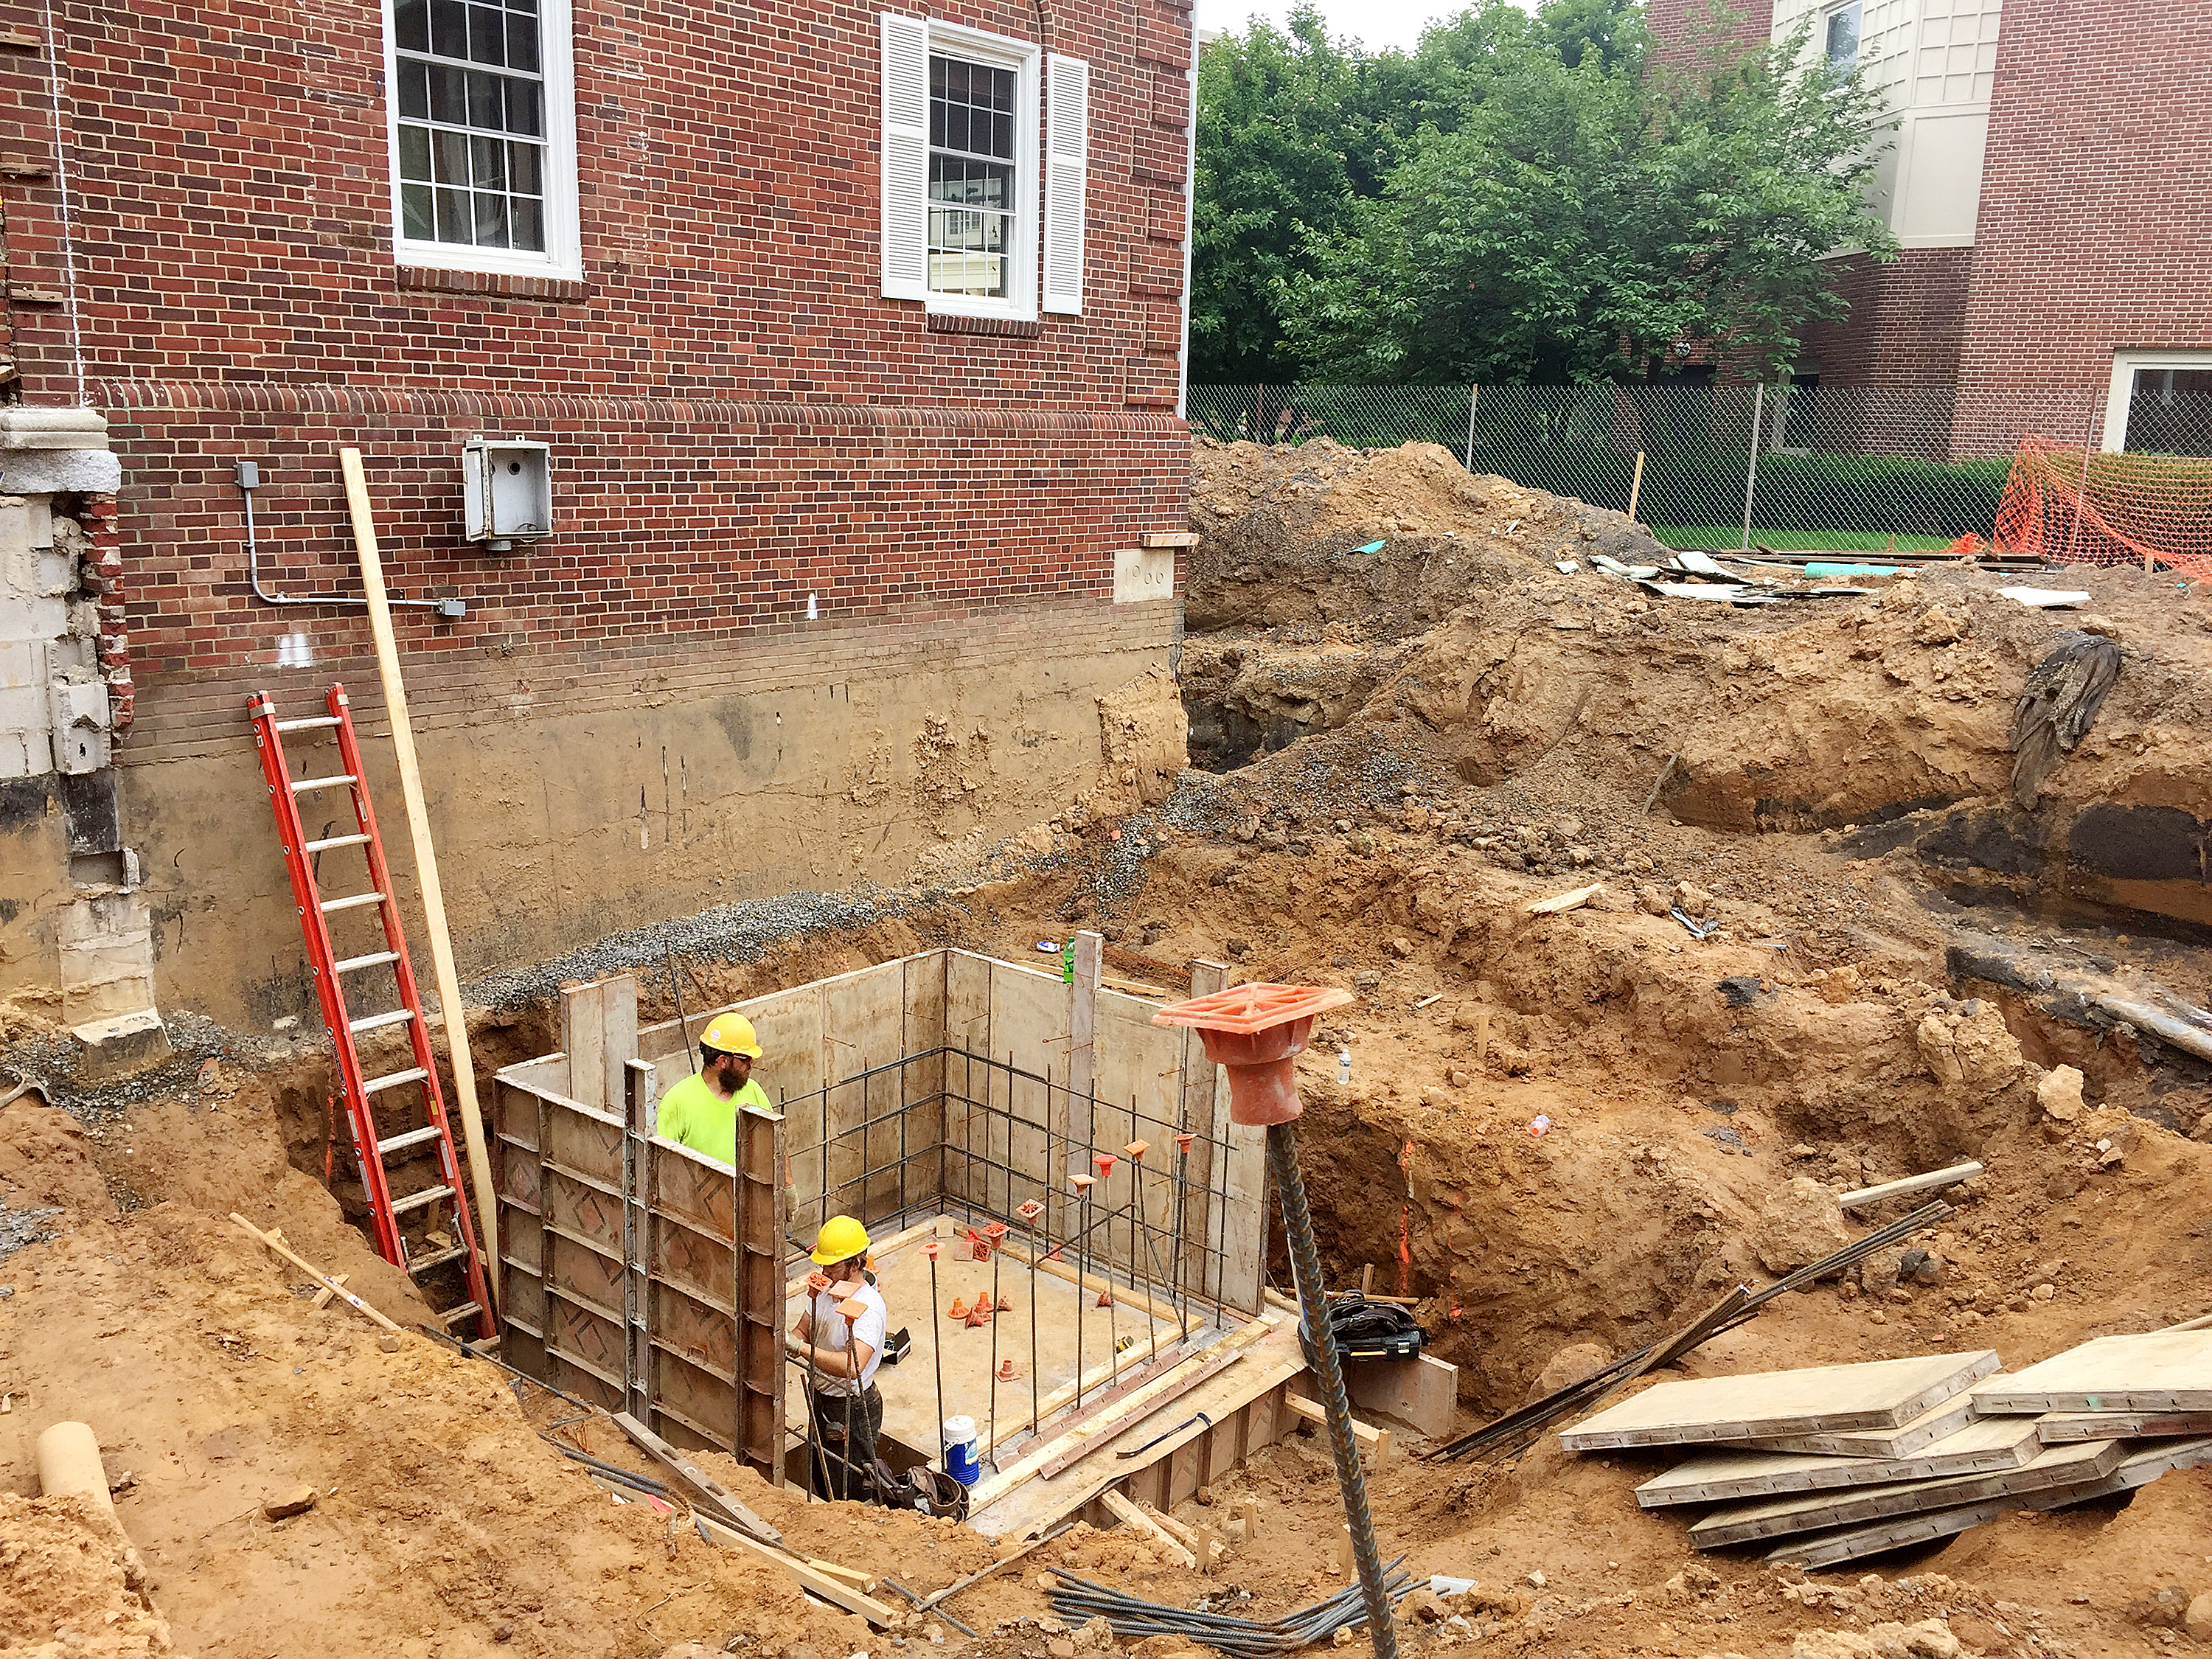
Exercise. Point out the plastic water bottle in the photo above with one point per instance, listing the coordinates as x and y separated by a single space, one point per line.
1067 962
1344 1065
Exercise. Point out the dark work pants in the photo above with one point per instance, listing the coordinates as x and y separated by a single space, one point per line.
841 1464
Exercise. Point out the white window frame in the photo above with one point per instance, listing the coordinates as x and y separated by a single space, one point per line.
563 257
1025 59
2119 400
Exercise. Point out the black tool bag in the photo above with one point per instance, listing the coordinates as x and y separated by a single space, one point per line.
930 1492
897 1346
1366 1330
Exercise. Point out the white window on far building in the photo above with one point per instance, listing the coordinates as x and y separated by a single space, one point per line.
2160 402
1840 36
480 104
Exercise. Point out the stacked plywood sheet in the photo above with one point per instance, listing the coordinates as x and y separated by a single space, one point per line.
1835 1463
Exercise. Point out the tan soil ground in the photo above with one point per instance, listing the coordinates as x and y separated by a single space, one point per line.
1478 732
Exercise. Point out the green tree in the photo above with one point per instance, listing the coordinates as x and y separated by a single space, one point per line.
1291 130
1523 198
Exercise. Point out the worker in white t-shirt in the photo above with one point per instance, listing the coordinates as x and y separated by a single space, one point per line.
842 1354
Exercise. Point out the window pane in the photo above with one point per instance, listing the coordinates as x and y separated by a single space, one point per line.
528 229
522 41
1842 36
453 217
448 95
487 35
414 153
484 100
2170 411
449 153
449 28
415 90
522 101
488 159
416 221
523 159
411 25
491 221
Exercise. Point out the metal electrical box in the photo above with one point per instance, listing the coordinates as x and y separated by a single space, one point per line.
508 488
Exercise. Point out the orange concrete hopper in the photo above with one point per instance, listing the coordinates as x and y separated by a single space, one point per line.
1256 1033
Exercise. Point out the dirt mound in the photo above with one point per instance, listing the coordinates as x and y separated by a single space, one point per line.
70 1582
1284 528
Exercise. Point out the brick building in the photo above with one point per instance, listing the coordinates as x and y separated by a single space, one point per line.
855 338
2048 169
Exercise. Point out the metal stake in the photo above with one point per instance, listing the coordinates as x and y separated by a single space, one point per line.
1081 1183
1029 1213
1104 1162
937 1351
1136 1154
997 1232
1313 1311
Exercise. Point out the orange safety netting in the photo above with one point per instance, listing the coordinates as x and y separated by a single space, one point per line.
2130 509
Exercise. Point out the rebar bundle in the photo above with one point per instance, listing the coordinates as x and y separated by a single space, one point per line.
1078 1600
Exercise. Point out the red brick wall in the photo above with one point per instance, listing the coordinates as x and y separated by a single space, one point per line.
1669 21
1903 324
2095 231
737 417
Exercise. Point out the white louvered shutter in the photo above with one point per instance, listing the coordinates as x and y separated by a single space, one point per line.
1067 143
905 157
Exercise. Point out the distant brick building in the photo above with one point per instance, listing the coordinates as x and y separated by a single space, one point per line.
856 339
2047 181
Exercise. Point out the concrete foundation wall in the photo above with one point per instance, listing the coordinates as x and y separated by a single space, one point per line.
577 795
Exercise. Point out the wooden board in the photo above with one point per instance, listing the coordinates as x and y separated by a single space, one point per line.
1777 1517
1924 1430
1826 1549
1883 1394
2060 1428
1420 1392
1985 1444
2160 1370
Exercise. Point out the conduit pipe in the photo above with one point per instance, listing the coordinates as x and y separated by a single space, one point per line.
69 1466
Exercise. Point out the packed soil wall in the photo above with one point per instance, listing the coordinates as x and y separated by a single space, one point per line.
573 796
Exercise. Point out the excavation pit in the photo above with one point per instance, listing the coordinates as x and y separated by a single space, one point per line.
933 1097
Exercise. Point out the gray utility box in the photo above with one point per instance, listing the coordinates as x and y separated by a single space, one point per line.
508 488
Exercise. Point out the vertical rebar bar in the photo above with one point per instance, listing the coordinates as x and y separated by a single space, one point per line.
1313 1311
936 1357
992 1443
1082 1244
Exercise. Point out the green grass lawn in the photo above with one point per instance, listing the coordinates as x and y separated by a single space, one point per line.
1712 536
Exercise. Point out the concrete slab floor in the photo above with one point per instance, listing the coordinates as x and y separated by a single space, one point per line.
909 1388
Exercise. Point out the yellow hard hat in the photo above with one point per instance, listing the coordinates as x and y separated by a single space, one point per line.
732 1034
840 1239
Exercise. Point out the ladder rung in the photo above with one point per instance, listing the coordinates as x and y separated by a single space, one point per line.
394 1079
352 902
452 1315
412 1137
300 786
375 958
416 1200
424 1264
329 842
307 723
378 1022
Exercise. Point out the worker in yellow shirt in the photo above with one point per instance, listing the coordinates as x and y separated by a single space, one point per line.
702 1111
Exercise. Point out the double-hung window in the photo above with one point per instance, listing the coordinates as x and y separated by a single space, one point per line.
966 162
483 135
1840 37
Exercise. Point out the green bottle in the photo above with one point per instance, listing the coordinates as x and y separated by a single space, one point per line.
1067 962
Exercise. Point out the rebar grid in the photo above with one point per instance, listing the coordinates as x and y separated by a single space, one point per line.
957 1177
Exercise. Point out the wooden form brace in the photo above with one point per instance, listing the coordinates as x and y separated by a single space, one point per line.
649 1277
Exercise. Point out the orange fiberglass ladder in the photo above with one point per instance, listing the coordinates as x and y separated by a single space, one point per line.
424 1126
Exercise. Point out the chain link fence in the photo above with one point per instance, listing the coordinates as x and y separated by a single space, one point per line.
1795 467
